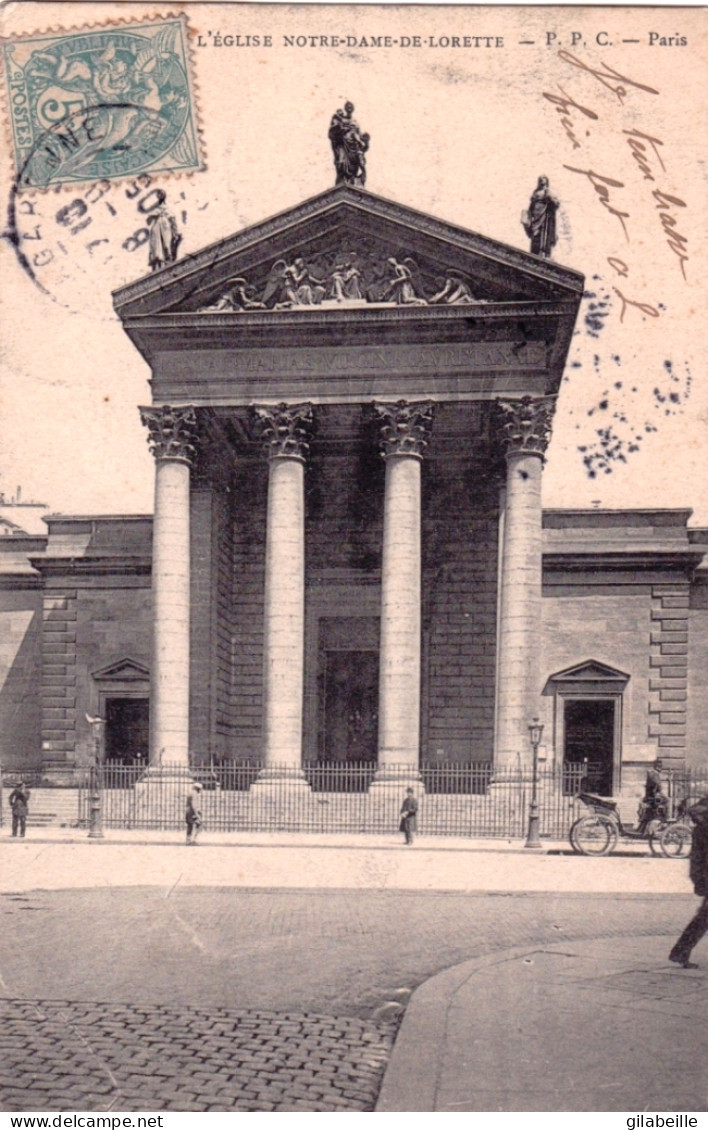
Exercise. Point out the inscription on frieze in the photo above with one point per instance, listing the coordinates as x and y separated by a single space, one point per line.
475 357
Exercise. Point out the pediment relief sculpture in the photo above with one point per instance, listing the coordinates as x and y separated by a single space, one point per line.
238 297
345 277
293 284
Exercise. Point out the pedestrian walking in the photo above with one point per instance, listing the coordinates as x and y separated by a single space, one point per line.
193 815
409 810
19 803
698 871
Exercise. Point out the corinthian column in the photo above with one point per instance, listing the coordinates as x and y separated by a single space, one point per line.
172 439
284 430
526 431
404 434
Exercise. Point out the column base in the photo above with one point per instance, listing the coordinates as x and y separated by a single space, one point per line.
276 778
400 777
507 771
160 795
157 772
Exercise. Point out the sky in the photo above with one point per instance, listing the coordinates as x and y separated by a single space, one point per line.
610 104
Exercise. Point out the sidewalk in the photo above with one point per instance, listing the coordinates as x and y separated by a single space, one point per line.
66 858
598 1025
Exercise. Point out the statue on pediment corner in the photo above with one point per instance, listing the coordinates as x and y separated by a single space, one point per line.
539 222
164 238
349 147
292 285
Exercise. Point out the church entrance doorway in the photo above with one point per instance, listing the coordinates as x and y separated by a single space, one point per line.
349 706
589 733
127 735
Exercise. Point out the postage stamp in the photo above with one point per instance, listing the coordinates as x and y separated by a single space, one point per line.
102 103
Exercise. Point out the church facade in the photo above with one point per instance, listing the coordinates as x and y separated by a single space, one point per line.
348 559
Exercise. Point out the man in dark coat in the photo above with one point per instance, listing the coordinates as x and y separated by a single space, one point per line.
409 810
193 814
19 803
698 871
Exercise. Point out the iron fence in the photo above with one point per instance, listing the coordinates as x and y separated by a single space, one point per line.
686 785
476 799
470 799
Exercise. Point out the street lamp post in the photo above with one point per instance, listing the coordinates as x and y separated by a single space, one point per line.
535 734
95 800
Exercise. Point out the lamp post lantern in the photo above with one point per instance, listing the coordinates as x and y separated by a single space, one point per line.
535 734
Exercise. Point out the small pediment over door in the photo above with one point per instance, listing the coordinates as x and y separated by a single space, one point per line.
123 671
588 677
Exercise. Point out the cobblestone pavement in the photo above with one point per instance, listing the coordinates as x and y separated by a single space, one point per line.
66 1056
287 999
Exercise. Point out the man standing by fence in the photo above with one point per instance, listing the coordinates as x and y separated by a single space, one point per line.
19 803
409 810
193 814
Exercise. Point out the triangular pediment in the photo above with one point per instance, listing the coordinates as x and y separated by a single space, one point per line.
348 248
124 670
591 671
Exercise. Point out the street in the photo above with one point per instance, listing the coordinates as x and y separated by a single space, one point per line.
244 999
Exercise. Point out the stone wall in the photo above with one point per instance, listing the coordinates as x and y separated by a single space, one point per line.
242 579
20 674
610 624
460 548
668 681
113 622
697 739
59 676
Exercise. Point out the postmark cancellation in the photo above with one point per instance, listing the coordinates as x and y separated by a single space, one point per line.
102 103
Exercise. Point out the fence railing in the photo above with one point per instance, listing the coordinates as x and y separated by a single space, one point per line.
475 799
471 799
686 785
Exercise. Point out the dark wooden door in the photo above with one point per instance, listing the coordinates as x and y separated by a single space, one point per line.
351 695
590 736
127 729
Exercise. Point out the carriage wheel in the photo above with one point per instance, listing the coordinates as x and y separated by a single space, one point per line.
594 835
675 840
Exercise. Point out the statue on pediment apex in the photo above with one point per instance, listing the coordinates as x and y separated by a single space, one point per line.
349 147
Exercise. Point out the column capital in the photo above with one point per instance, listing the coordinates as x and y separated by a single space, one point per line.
405 427
284 429
172 432
526 424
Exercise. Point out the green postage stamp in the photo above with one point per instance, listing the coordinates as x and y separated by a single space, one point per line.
101 103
